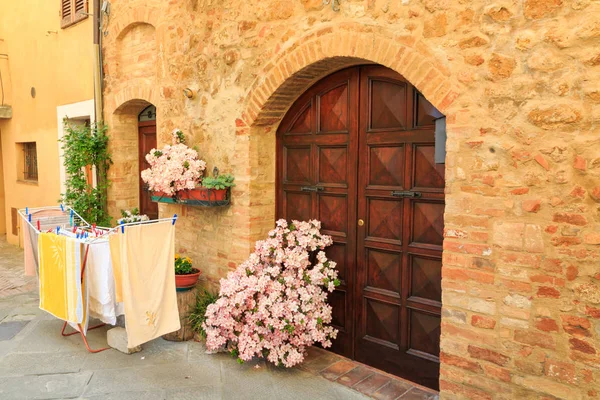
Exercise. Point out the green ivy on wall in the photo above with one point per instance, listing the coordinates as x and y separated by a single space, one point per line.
85 145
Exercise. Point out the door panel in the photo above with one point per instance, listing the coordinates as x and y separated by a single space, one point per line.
334 113
427 174
297 164
386 166
333 166
147 142
388 104
354 147
333 214
399 247
317 180
384 270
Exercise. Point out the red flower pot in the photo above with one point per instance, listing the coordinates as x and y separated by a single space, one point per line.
187 281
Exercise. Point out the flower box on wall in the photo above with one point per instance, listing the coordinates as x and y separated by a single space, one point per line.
196 197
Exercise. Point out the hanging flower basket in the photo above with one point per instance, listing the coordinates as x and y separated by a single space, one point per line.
174 168
196 197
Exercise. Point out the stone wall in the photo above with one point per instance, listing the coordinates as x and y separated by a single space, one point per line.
520 84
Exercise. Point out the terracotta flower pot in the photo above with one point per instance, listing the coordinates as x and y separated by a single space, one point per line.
188 280
161 194
204 194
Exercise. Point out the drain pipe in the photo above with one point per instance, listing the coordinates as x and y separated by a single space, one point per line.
101 174
98 61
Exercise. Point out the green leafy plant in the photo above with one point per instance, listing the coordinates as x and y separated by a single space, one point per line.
183 265
220 182
197 316
85 146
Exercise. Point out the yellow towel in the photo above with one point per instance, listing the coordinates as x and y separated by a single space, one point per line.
114 242
60 277
150 299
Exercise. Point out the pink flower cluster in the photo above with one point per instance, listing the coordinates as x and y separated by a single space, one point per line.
274 305
176 167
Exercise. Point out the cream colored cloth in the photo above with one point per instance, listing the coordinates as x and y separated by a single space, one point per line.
114 241
147 254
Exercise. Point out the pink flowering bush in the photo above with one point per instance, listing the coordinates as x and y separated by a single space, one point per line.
274 305
176 167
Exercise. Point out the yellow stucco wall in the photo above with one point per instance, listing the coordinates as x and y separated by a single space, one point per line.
59 64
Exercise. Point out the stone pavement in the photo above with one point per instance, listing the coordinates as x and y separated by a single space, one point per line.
12 280
36 362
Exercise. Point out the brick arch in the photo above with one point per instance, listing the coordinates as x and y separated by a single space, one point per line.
129 18
301 64
295 69
134 91
123 146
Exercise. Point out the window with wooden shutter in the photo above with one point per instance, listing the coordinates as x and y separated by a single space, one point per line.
72 11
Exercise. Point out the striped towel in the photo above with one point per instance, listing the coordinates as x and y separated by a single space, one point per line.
60 277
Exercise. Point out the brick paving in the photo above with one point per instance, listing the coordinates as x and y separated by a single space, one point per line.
36 362
361 378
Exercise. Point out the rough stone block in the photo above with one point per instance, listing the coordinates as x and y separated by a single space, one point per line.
117 339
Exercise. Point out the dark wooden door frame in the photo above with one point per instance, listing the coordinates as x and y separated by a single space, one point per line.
357 80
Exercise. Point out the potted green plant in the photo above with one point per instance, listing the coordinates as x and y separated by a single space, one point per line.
186 276
215 188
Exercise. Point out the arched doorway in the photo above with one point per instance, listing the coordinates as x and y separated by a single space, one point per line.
356 151
146 142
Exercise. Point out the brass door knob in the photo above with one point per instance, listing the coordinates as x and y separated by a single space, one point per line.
361 222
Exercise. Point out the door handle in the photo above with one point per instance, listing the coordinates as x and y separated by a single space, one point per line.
406 193
312 188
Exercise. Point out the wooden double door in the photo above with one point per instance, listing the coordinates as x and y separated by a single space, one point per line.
356 152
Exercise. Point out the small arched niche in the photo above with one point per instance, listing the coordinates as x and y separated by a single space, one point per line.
136 51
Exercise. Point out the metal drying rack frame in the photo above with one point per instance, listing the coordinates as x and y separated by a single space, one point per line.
27 214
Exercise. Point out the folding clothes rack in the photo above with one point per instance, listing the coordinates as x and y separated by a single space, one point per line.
48 220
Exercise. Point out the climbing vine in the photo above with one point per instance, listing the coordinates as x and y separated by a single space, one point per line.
85 146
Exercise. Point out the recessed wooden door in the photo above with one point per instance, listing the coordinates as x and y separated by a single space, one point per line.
356 152
147 142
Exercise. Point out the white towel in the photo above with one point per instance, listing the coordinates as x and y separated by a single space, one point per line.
101 284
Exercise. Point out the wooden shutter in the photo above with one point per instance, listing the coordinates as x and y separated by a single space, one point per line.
81 7
72 11
66 12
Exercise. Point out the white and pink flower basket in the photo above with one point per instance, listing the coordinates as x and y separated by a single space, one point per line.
174 168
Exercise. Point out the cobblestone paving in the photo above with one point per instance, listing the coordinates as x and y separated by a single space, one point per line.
36 362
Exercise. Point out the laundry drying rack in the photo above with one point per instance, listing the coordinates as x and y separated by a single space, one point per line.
61 219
